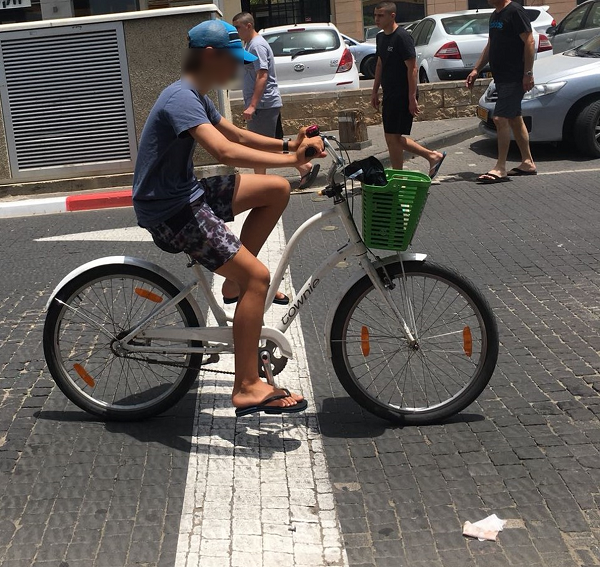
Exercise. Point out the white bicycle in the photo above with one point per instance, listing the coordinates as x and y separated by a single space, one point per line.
411 341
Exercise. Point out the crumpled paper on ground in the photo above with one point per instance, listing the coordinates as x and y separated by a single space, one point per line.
486 529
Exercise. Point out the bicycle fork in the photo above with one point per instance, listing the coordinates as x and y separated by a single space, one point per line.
384 288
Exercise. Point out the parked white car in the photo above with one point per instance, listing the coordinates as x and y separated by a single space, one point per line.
365 55
449 45
311 58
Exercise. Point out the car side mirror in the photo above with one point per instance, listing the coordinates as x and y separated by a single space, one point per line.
551 31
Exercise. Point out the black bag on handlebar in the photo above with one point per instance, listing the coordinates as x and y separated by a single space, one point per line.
369 171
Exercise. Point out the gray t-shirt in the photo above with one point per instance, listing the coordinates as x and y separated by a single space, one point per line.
164 180
266 61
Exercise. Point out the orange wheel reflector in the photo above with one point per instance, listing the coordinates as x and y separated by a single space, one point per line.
148 295
467 341
365 344
84 375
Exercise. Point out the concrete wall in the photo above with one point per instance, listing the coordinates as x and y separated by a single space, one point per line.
438 100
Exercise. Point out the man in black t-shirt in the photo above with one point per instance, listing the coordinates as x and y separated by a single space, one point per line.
510 52
396 72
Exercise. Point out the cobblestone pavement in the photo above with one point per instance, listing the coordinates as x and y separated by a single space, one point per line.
528 449
76 492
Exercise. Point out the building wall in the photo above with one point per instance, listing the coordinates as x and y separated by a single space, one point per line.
348 17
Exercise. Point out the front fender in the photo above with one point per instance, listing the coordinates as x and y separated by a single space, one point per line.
358 275
129 260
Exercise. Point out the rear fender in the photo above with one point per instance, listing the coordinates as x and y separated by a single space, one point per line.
126 260
358 275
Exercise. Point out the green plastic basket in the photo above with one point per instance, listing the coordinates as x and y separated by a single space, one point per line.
391 213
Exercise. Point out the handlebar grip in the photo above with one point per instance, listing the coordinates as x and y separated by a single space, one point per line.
310 152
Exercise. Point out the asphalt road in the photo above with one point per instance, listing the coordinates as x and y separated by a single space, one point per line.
528 450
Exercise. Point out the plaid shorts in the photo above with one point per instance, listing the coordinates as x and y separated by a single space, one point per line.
199 228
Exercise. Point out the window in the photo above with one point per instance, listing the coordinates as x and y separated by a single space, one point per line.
416 32
593 18
574 20
467 24
289 43
94 7
533 14
427 32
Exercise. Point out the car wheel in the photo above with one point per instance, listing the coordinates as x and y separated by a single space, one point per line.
423 78
368 66
587 126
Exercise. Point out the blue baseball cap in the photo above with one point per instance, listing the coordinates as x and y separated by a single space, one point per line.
219 35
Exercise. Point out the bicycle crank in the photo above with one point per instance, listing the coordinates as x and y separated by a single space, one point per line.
277 361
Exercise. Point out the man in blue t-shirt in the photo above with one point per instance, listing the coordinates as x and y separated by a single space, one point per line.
186 214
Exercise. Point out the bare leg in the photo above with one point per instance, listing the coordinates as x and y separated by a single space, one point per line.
252 279
398 144
522 138
503 130
266 196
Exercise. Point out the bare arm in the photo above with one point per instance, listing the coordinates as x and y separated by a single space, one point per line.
376 85
483 60
249 150
259 88
256 141
411 70
528 59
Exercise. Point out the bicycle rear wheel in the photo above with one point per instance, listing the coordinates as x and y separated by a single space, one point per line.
446 369
85 320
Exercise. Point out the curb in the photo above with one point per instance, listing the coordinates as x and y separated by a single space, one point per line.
122 198
68 203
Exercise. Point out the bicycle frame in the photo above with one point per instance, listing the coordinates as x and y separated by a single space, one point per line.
219 339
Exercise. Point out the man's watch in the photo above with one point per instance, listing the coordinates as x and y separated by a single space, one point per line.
529 73
286 146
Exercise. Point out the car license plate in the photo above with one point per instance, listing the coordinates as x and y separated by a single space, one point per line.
485 75
482 113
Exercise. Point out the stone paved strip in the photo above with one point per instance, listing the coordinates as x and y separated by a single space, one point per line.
257 489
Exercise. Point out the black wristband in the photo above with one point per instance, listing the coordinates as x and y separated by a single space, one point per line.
286 146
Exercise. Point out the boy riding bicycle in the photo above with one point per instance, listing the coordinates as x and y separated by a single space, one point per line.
186 214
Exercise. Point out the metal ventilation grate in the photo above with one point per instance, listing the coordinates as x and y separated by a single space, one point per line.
68 99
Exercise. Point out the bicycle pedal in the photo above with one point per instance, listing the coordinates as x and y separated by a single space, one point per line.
212 359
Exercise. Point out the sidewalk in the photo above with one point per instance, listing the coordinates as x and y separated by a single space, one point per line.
433 134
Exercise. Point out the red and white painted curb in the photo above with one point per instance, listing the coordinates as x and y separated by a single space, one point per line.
68 203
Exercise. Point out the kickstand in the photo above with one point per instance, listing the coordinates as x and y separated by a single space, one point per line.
265 358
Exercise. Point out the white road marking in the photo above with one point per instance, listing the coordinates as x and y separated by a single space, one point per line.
127 234
257 491
585 170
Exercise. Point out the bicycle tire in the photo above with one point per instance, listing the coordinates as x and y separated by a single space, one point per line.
76 391
454 405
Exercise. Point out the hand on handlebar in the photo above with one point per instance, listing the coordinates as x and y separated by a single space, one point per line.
310 148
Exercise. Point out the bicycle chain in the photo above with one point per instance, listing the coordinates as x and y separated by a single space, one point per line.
201 368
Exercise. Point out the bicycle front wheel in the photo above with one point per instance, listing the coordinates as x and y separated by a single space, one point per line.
85 321
438 375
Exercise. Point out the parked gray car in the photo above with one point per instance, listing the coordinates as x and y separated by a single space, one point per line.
364 55
579 25
565 102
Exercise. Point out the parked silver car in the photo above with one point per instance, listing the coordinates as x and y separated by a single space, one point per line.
565 102
579 25
364 55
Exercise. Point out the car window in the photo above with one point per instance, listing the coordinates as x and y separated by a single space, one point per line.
533 14
573 21
593 18
467 24
416 32
425 33
288 43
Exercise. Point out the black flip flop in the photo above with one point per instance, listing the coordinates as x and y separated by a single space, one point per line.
518 172
273 410
285 300
436 167
309 178
494 179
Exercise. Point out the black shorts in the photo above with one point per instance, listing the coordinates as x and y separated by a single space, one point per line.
396 117
509 100
199 228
